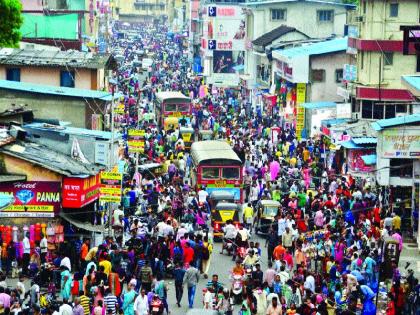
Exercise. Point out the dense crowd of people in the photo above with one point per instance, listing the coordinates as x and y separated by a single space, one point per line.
323 253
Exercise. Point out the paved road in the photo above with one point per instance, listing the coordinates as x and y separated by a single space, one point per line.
221 265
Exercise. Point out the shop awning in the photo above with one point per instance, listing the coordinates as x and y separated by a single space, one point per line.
6 200
369 159
83 225
350 145
364 140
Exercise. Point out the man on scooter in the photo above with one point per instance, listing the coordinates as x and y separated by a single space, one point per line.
230 234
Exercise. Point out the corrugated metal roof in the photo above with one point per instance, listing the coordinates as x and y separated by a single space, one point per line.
49 159
54 90
213 149
349 144
320 48
73 131
397 121
369 159
318 105
52 58
364 140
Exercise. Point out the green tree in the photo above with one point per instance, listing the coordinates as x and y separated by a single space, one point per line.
10 22
356 2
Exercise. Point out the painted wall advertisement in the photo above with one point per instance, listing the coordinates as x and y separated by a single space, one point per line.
32 199
110 189
79 192
355 161
400 143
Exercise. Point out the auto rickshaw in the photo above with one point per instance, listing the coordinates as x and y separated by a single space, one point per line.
222 212
187 135
206 135
267 211
217 196
171 123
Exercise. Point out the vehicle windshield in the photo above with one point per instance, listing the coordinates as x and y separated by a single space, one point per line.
270 211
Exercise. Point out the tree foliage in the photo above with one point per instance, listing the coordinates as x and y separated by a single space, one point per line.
10 22
355 2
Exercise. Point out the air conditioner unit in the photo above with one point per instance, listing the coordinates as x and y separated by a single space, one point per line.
359 18
355 115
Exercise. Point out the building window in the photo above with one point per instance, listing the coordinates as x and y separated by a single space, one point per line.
318 75
378 111
67 78
367 109
401 168
338 75
13 74
278 14
388 58
364 7
362 59
325 15
393 10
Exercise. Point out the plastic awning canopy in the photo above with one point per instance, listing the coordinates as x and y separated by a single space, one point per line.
369 159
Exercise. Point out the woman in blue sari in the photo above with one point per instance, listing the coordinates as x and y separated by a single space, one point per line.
66 280
129 297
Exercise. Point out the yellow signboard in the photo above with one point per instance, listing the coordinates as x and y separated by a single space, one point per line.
300 111
220 183
119 109
175 114
110 190
136 133
111 175
106 198
226 214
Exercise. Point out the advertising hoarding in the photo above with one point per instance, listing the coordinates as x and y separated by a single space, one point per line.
32 199
401 143
78 192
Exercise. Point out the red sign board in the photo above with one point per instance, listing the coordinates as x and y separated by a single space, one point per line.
32 199
78 192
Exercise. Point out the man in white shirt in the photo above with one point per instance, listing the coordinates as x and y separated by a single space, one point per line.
202 195
66 309
117 216
281 223
310 283
44 248
26 253
141 304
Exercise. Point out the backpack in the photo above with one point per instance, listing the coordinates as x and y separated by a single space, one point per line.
205 253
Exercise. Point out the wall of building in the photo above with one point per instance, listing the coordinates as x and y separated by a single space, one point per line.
84 78
301 15
33 172
48 106
377 24
327 90
377 21
128 10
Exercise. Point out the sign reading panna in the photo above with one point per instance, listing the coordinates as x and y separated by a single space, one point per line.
226 25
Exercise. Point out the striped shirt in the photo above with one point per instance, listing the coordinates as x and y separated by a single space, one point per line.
111 303
85 303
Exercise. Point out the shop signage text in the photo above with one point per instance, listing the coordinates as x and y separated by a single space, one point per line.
32 199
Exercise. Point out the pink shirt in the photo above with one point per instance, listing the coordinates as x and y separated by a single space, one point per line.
398 238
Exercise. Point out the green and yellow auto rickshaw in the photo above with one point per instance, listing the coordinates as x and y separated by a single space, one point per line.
222 212
267 211
187 135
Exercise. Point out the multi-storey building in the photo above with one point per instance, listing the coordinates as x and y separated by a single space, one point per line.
378 41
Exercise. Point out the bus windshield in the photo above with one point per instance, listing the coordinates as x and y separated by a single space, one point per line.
230 173
183 107
170 107
210 172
